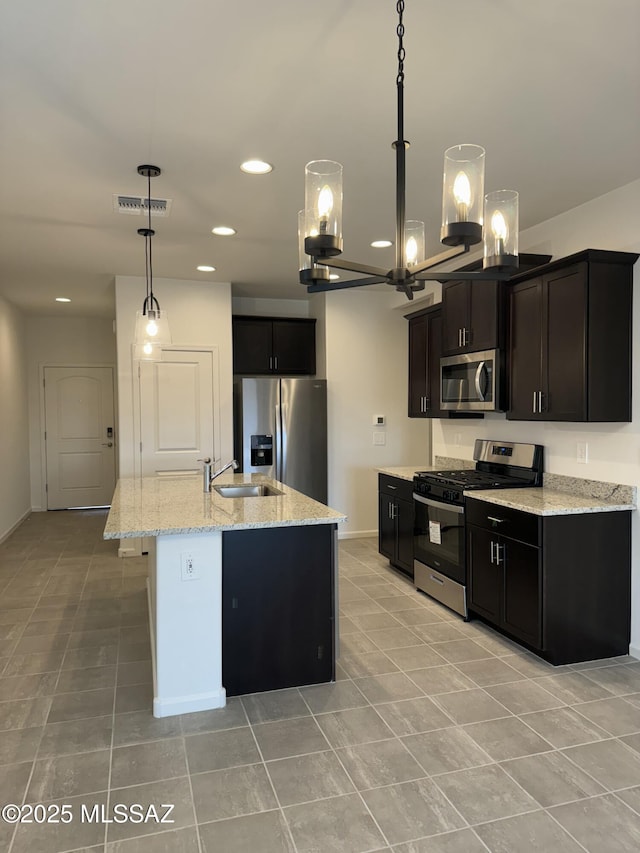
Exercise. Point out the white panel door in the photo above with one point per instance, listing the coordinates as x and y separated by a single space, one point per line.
79 436
176 412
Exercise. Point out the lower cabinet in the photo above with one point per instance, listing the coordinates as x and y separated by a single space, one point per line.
559 584
278 599
395 522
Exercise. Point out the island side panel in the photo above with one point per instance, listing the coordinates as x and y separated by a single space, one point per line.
186 623
278 608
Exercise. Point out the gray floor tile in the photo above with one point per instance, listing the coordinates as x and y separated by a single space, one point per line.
552 779
69 776
19 745
387 687
174 841
413 716
133 697
91 734
34 664
232 716
136 672
304 778
523 696
176 792
217 750
601 823
490 671
506 738
369 663
610 762
285 738
573 687
229 793
92 678
440 679
356 644
148 762
354 726
563 727
28 686
140 726
38 837
446 750
13 782
616 716
24 713
411 810
266 832
278 705
470 706
76 706
438 631
619 680
385 762
630 796
394 638
91 656
485 793
416 657
343 824
458 651
333 697
535 832
458 841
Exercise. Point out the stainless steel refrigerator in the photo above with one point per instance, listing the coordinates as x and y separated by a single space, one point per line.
280 429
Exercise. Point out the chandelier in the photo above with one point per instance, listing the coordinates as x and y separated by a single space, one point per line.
468 217
152 325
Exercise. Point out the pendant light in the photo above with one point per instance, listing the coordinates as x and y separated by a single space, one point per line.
152 326
468 217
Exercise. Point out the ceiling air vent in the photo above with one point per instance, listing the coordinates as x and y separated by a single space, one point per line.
136 205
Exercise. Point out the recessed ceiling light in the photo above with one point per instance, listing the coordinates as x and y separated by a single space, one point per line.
333 276
205 268
256 167
381 244
223 231
62 299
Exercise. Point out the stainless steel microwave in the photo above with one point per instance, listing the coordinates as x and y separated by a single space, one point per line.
470 382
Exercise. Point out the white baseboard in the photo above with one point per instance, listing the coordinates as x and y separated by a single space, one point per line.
128 552
15 526
634 651
189 704
357 534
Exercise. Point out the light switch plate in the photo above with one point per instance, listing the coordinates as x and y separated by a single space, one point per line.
582 452
379 438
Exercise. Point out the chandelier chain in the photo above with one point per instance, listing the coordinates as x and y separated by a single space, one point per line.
401 50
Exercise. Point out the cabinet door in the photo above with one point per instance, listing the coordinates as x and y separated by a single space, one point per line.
294 346
564 331
277 608
404 524
252 351
525 350
434 353
485 576
521 615
485 315
455 315
386 527
418 361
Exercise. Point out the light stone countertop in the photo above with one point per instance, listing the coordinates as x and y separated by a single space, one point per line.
547 501
153 506
405 472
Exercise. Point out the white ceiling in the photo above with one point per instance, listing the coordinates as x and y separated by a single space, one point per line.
90 89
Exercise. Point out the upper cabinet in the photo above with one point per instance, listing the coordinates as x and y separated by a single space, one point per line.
474 313
274 345
570 339
424 364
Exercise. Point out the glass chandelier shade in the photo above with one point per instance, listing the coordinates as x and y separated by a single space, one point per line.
501 230
462 195
323 208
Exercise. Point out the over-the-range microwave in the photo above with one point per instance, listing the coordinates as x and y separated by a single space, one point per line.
470 382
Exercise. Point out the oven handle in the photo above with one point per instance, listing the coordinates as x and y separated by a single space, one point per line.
458 510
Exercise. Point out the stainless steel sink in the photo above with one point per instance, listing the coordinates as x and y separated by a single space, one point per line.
247 490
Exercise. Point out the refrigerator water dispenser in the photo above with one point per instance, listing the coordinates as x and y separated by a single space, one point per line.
261 450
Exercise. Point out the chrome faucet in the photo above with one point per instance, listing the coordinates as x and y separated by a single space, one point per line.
209 477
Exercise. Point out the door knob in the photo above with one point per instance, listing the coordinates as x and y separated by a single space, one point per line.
107 444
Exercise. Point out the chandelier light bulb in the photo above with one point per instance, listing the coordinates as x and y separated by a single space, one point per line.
462 195
152 328
147 348
500 231
325 207
411 251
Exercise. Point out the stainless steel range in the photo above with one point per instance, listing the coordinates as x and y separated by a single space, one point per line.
439 534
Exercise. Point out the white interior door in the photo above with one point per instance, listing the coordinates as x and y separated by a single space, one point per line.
176 412
79 436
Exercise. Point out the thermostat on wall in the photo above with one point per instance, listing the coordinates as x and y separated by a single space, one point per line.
378 420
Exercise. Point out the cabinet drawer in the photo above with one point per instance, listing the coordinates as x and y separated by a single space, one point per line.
502 520
396 487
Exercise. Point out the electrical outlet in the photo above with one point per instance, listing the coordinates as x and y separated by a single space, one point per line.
380 438
458 439
189 566
582 452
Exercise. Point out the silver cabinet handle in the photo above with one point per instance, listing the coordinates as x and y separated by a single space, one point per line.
498 560
445 507
275 359
539 402
493 544
459 337
270 362
494 519
437 580
535 396
465 337
392 487
426 404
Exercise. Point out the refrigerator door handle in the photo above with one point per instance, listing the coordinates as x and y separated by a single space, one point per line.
277 431
284 413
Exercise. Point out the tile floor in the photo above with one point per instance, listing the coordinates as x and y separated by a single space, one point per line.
439 736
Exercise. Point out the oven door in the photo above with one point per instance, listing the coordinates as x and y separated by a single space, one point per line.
439 537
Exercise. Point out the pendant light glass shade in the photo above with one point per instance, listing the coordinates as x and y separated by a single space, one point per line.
323 206
151 333
501 230
462 195
414 250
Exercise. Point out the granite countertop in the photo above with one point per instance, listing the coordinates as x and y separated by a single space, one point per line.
549 501
404 473
151 506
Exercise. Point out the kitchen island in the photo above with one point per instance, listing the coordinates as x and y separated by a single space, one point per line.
257 572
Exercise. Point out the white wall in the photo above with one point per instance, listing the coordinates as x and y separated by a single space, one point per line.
59 341
366 367
270 307
15 503
609 222
199 315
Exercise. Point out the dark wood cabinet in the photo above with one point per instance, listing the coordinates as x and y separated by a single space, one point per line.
274 345
396 522
425 341
277 608
570 340
474 312
559 584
